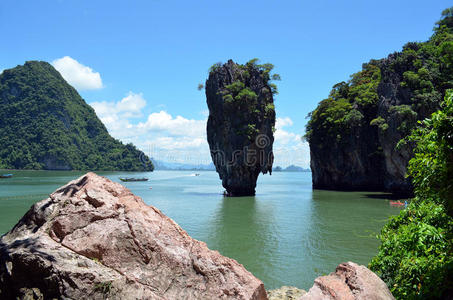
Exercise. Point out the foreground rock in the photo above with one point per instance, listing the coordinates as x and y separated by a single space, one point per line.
349 282
285 293
94 239
240 124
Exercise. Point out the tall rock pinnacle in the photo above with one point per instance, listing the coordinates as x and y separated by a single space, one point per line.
241 123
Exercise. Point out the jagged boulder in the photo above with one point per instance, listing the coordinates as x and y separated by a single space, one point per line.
349 282
94 239
241 123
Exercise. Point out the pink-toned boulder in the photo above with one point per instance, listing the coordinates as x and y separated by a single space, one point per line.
94 239
349 282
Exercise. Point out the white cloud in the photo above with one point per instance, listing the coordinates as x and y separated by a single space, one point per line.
79 76
289 148
179 126
129 107
283 122
178 139
160 135
282 136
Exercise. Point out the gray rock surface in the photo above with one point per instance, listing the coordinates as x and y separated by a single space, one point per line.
240 132
94 239
368 157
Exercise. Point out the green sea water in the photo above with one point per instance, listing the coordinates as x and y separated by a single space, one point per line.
288 234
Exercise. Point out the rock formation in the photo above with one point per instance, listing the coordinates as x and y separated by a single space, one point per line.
349 282
45 124
93 239
354 134
241 123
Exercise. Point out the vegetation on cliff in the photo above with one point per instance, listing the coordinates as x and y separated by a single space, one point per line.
45 124
415 258
240 96
376 108
241 122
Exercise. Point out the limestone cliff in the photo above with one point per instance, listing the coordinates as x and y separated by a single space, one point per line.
241 123
355 133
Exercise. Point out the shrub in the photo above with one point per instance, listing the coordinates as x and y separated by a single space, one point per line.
415 258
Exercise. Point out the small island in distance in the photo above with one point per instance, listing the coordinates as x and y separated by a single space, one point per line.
291 168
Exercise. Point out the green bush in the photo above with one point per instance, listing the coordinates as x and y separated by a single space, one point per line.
380 122
254 101
415 258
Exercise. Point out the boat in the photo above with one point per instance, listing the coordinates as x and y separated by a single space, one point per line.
127 179
6 176
397 203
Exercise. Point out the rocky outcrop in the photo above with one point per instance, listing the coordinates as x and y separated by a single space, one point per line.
349 282
240 124
285 293
45 124
355 134
94 239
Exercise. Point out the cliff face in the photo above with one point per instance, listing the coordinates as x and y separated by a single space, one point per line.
355 133
45 124
240 124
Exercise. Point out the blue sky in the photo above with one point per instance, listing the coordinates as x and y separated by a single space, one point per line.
139 62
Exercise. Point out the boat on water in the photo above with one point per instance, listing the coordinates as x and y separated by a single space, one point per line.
126 179
398 203
6 175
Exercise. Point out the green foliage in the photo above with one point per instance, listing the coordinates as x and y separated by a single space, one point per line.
235 87
269 109
252 131
246 94
415 258
251 92
276 77
432 165
104 287
346 106
44 121
406 117
363 85
330 120
425 71
380 122
215 67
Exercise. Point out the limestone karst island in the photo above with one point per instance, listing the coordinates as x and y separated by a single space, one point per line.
167 150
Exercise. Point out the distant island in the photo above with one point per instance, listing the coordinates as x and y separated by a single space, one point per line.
291 168
46 125
174 166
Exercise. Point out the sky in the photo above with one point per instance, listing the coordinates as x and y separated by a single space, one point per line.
138 63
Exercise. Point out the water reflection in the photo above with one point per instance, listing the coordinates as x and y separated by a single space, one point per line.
343 227
244 228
